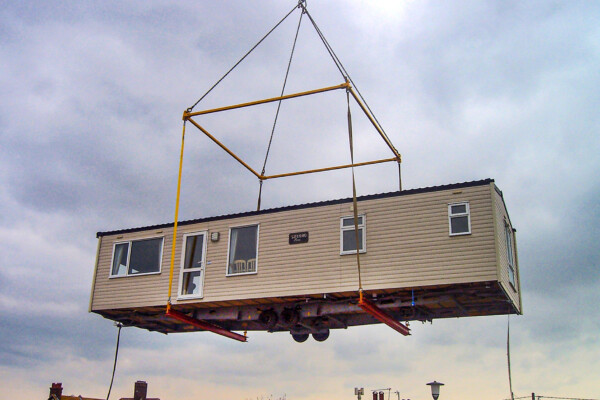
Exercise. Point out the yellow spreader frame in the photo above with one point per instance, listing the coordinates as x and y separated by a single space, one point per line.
188 115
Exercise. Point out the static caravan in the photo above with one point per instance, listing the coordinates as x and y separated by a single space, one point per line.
436 252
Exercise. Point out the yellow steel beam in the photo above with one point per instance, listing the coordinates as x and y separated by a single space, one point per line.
187 115
221 145
176 217
265 177
329 168
376 125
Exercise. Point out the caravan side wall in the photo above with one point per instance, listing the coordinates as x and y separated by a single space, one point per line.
407 245
505 238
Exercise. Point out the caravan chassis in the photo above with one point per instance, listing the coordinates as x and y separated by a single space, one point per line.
316 315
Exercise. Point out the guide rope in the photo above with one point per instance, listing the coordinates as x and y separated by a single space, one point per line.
242 59
118 325
287 72
512 395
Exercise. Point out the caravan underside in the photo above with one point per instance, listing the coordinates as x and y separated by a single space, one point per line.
317 314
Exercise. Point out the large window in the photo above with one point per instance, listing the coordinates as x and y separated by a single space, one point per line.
137 257
459 219
243 250
348 235
192 269
510 254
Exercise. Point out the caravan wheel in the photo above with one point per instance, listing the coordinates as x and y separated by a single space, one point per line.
300 337
321 336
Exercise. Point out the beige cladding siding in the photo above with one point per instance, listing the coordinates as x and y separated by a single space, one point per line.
501 219
408 245
408 242
283 269
135 291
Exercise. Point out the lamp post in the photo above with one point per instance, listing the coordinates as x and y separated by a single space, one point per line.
435 389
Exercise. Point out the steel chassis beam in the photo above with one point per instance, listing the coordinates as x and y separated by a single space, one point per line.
205 325
382 316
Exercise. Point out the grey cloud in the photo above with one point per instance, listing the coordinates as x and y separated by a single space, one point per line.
90 134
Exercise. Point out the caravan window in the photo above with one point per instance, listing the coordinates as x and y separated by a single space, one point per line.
137 257
510 255
459 219
243 250
348 235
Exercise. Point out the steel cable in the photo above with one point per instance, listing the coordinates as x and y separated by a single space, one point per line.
287 72
242 59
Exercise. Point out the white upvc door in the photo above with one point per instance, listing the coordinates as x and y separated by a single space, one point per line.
191 277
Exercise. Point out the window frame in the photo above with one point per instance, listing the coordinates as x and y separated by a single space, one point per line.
451 215
227 274
343 229
202 268
129 242
510 254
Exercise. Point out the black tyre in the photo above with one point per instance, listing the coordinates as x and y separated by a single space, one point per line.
300 337
321 336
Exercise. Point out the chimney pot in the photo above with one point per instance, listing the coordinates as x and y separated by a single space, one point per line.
56 390
140 390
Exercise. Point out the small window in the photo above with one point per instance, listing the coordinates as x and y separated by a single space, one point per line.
509 253
348 235
459 219
137 257
243 250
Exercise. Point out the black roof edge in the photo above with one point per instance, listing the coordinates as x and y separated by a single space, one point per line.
306 205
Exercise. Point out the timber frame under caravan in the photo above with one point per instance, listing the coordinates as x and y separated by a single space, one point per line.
437 252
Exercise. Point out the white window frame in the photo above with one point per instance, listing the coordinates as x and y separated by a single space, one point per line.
510 254
343 229
202 268
127 274
451 215
227 274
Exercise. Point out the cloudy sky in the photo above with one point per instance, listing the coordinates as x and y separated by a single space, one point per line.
91 97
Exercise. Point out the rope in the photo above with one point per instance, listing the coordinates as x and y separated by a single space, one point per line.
287 72
512 395
242 59
176 217
354 201
119 325
336 61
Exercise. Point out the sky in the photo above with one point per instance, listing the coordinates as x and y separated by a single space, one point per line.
91 100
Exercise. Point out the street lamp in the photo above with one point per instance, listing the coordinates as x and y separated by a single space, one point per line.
435 389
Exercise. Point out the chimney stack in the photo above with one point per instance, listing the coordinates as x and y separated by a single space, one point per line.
140 390
56 390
